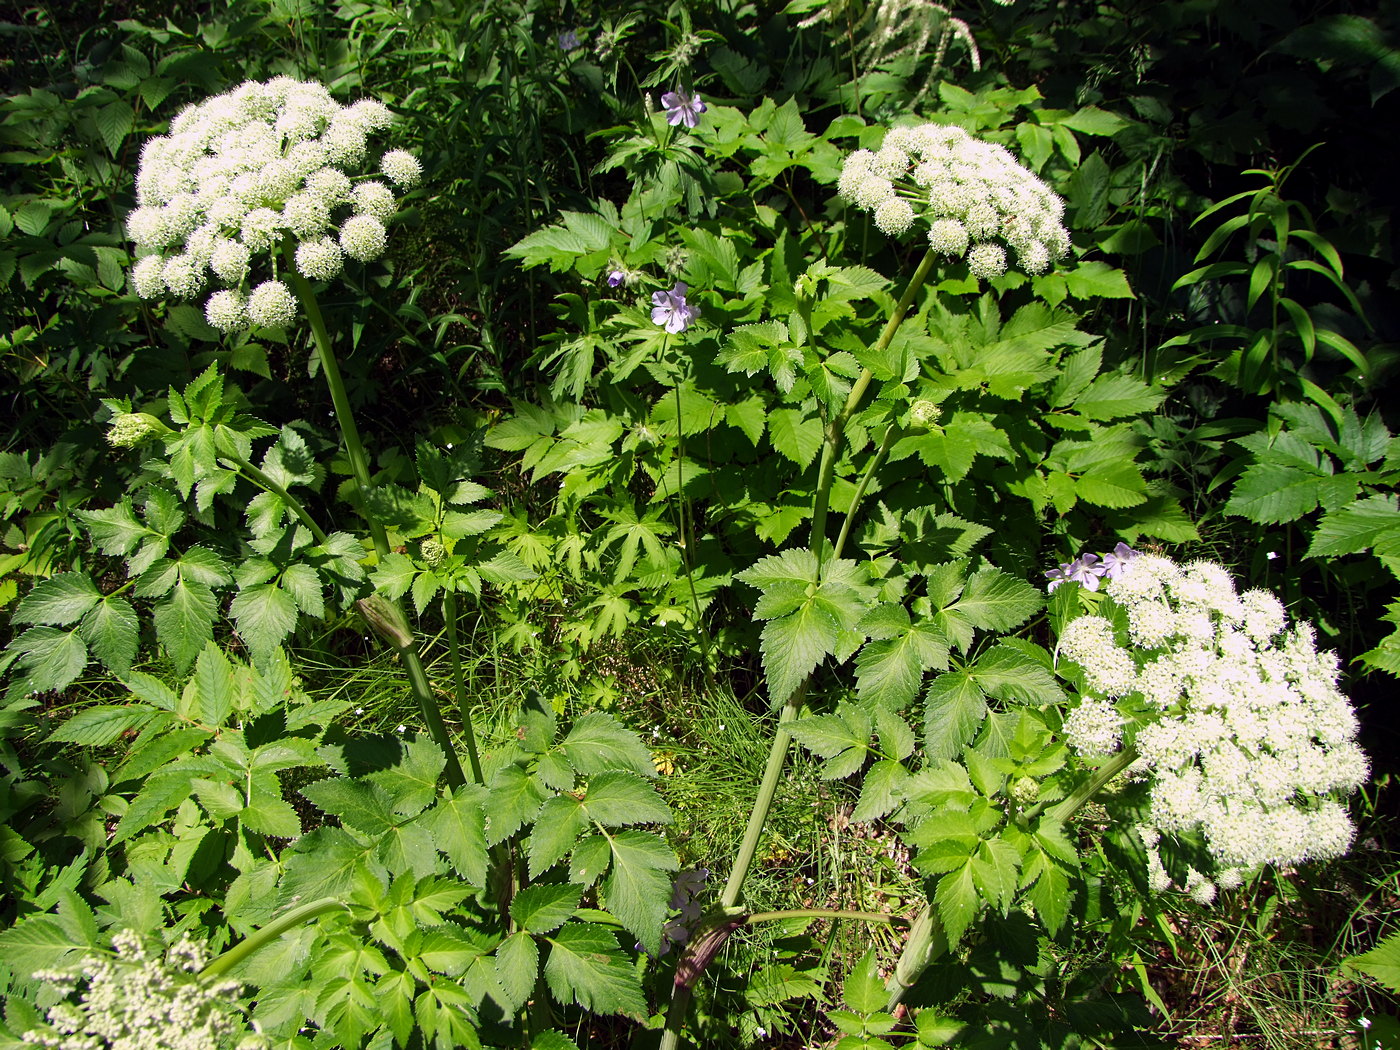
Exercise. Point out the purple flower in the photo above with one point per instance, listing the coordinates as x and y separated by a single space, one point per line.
616 278
1082 570
682 108
671 311
1117 560
569 40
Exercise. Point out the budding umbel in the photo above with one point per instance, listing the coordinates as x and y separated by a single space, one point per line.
923 415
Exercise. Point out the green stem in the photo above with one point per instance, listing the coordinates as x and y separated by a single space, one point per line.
296 506
255 940
836 429
359 465
764 801
878 917
1066 808
875 463
354 449
449 609
792 706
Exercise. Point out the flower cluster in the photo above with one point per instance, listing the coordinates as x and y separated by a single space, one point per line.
976 198
1090 569
139 1001
242 173
1235 716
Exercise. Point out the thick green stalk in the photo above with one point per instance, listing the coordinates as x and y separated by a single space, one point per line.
359 464
344 415
766 790
777 755
255 940
449 610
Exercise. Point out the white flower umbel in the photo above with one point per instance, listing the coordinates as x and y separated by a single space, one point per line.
241 175
1236 717
977 200
135 999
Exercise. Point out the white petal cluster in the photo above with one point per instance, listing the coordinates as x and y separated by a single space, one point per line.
241 175
1246 737
977 199
135 999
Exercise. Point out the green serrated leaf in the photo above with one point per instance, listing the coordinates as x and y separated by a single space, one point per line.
112 632
458 827
795 435
638 887
863 990
617 797
513 800
59 600
102 725
953 710
185 622
517 968
544 908
561 819
586 966
599 742
957 901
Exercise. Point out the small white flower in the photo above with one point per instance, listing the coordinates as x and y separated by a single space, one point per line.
986 260
894 216
401 168
272 305
363 237
376 199
321 259
227 311
146 277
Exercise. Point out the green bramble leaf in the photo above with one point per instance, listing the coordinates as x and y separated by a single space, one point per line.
265 615
357 804
1382 962
185 622
954 709
618 797
557 827
795 435
881 790
957 900
458 827
1117 396
996 601
863 990
1371 523
513 801
50 659
586 966
102 725
112 632
841 738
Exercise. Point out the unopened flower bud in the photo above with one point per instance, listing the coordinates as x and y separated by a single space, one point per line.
129 429
923 414
387 620
434 553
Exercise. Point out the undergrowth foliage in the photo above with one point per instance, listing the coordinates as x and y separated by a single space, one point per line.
661 388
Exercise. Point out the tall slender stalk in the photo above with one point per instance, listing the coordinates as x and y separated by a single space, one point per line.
359 465
278 926
454 647
792 705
